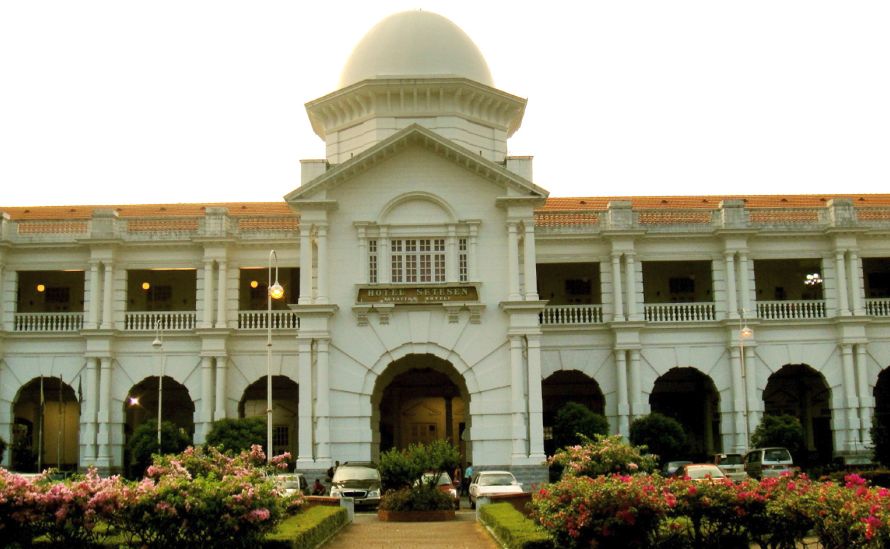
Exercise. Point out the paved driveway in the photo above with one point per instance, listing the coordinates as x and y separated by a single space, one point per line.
369 533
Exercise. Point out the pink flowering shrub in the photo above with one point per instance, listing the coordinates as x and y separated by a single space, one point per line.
603 455
19 509
607 511
71 510
710 509
852 515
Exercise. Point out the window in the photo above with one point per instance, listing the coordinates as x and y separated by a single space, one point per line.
418 260
372 261
279 435
462 271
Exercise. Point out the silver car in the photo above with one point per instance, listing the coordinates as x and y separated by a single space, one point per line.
359 482
732 465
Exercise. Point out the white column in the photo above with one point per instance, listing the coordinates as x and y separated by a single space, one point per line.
384 263
108 298
206 417
88 420
751 389
451 255
850 399
531 273
866 400
322 245
103 460
322 405
220 400
840 270
731 294
364 274
637 406
472 258
617 292
517 399
305 265
623 404
744 285
513 262
630 273
305 454
208 294
738 399
221 293
93 304
535 400
854 270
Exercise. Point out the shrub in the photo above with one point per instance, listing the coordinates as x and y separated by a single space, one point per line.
605 512
307 529
603 456
235 435
144 443
573 420
662 435
706 514
783 430
513 529
419 498
403 468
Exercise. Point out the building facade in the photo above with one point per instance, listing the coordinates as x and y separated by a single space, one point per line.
433 291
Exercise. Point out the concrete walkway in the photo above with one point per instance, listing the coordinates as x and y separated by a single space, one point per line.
366 532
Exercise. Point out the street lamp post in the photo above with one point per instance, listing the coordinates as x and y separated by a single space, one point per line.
274 291
158 344
745 333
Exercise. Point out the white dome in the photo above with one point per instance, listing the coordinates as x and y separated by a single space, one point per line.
415 44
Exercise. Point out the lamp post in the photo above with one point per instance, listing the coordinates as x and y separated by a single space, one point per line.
745 333
158 344
274 291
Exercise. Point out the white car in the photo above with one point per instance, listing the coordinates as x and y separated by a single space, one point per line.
292 483
361 482
487 483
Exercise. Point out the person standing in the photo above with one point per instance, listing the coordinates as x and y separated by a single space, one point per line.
465 483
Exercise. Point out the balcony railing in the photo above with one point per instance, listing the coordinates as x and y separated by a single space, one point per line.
571 315
878 307
679 312
48 322
790 310
169 321
259 320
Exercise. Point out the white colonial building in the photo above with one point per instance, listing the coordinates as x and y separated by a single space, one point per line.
432 290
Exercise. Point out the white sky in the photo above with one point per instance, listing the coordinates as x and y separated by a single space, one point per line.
115 101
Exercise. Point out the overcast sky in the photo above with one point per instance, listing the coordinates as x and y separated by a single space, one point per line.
117 102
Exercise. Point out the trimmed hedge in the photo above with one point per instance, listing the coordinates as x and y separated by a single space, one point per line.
513 529
307 529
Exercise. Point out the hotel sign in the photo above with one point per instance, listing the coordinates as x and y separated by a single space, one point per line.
417 295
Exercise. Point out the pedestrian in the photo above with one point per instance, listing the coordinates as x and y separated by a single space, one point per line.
318 488
465 483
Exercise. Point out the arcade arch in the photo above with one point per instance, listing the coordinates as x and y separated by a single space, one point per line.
799 390
691 398
141 405
285 410
563 387
46 426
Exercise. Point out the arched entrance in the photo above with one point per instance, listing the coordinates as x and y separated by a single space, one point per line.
419 398
691 398
141 405
799 390
46 426
882 399
563 387
285 410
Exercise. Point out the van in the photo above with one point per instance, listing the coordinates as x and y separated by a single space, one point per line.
769 462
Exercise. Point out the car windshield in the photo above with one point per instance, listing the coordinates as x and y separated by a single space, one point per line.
496 480
444 479
355 473
731 459
777 454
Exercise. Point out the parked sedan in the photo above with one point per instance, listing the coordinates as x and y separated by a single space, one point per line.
732 465
443 484
488 483
359 482
701 472
672 468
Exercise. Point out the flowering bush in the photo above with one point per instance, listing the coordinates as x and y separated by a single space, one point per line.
70 511
852 515
607 511
710 511
603 455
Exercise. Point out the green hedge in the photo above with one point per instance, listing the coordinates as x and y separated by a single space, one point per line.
307 529
513 529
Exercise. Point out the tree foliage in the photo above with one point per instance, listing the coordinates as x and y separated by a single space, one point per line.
144 443
781 430
574 421
403 468
663 435
236 435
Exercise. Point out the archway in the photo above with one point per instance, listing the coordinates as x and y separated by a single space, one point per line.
882 399
563 387
285 410
46 426
419 398
799 390
141 405
691 398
